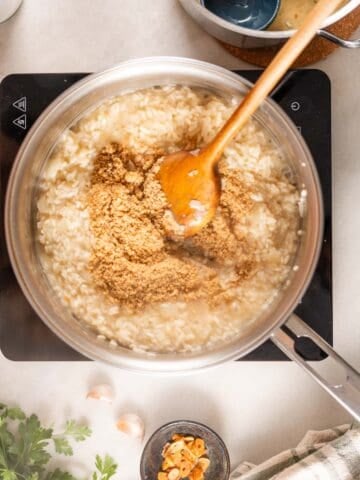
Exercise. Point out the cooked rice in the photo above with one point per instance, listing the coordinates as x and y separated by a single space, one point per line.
143 120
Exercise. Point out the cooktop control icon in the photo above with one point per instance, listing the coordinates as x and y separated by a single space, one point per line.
20 121
20 104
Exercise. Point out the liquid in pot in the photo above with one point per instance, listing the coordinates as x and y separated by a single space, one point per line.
292 14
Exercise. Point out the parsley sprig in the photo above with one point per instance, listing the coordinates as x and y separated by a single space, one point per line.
106 468
24 448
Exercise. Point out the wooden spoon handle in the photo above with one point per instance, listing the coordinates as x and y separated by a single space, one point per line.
270 77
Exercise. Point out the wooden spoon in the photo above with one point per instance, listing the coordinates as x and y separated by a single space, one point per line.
189 180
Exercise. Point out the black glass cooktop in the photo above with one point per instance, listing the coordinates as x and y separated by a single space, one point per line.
304 95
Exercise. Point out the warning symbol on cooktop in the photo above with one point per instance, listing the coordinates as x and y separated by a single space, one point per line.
20 121
20 104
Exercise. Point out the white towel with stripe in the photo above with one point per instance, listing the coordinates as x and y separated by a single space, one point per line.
332 454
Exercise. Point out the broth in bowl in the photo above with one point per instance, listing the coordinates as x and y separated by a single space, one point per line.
292 14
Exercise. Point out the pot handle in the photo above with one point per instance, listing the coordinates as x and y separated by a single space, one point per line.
341 381
339 41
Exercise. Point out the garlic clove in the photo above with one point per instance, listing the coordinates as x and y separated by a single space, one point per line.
132 425
102 392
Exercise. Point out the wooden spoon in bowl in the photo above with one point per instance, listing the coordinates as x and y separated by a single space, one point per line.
190 180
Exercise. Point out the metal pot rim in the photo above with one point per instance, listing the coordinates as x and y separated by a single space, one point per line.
264 34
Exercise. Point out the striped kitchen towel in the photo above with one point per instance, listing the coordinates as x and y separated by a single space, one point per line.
322 455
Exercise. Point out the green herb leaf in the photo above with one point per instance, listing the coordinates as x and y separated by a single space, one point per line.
6 437
106 468
30 447
32 430
63 446
3 409
8 475
78 432
34 476
24 454
59 475
6 441
15 413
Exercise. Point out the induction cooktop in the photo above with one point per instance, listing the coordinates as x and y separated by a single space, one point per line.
305 95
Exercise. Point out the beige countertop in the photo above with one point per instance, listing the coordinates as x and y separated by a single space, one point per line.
258 408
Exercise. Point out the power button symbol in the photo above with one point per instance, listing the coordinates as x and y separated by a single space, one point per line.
295 106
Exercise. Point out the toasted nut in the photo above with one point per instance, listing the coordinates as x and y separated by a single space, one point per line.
185 468
184 458
174 474
176 447
204 463
189 445
165 449
176 458
167 463
162 476
196 474
186 452
198 447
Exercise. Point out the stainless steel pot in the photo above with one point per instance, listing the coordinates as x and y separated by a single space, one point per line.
247 38
20 224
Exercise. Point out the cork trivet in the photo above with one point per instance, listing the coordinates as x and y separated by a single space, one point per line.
318 49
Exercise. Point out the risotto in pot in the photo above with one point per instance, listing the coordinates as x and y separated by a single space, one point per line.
103 224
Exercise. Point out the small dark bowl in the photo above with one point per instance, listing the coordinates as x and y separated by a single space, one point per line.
151 458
